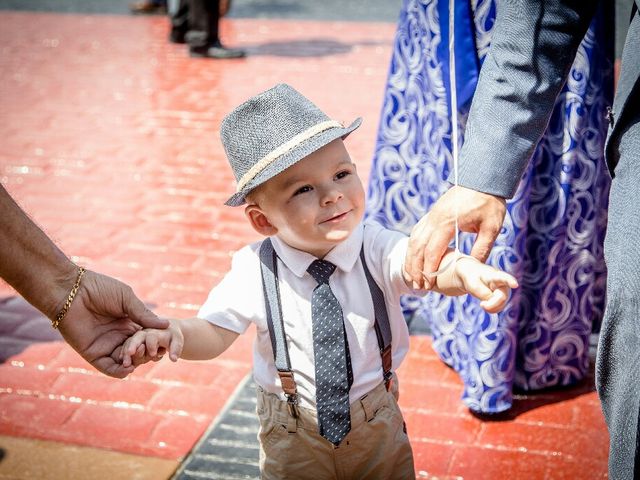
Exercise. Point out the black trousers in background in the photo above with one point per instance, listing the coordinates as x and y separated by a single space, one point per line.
197 21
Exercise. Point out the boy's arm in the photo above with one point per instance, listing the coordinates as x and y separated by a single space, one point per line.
202 339
192 339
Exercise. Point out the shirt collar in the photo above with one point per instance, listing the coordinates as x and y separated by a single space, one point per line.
343 256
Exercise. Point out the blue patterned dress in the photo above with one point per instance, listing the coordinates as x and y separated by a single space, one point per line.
554 228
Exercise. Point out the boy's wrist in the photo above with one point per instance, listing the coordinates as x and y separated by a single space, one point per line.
462 263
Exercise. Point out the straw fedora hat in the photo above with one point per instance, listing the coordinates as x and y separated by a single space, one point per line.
272 131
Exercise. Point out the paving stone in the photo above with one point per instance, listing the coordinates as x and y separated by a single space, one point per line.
229 449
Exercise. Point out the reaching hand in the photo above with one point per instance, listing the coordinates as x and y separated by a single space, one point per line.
478 212
484 282
151 344
104 314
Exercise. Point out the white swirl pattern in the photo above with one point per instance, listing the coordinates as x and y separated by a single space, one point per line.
554 229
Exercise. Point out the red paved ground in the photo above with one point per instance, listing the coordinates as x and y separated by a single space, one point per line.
109 139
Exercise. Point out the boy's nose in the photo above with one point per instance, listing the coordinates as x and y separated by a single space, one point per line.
331 195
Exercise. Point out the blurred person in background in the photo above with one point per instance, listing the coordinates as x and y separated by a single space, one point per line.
148 7
196 22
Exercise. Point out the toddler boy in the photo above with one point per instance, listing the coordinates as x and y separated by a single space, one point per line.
323 291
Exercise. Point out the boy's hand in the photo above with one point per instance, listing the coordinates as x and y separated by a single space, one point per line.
484 282
151 344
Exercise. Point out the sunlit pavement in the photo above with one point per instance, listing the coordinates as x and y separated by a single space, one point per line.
110 141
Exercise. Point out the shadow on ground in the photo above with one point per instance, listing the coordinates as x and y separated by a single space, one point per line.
20 326
313 47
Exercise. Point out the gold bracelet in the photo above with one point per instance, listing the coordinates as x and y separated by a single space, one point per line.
60 316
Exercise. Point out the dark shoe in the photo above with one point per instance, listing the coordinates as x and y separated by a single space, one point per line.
176 36
145 7
216 51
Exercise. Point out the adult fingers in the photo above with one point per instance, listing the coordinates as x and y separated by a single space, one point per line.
484 241
133 307
434 250
414 258
427 244
111 368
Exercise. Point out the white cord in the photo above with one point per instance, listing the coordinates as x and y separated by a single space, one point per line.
454 133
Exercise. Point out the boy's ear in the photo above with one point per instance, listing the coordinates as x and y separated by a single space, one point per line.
259 220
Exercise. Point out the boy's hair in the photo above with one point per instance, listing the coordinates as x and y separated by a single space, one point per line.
271 132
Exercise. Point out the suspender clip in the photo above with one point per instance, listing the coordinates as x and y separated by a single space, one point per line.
387 374
388 380
292 405
290 391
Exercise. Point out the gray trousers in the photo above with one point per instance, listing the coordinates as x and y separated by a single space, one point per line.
618 360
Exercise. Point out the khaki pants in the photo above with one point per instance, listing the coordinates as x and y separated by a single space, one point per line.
377 447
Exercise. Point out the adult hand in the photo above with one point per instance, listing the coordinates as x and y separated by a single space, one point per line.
477 212
103 315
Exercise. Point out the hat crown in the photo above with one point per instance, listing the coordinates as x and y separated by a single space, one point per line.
265 122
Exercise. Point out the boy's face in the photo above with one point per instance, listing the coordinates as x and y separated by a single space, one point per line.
312 205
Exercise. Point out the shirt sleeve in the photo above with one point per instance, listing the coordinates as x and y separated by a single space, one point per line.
237 301
533 45
385 251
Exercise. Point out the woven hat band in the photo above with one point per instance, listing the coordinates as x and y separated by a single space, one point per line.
284 148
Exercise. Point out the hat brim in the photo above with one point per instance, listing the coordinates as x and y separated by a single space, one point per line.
292 157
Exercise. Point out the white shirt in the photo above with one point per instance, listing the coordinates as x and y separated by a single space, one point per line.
238 301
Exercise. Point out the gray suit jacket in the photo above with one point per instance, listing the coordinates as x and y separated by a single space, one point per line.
533 45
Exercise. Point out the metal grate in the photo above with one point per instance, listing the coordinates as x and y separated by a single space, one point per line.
229 448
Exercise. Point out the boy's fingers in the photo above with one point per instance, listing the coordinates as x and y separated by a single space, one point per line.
175 349
479 289
132 343
152 345
496 302
125 360
159 354
503 278
129 350
140 351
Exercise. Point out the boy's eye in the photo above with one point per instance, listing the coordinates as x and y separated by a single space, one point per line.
305 189
342 174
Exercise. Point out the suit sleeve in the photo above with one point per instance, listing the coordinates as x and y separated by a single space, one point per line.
533 46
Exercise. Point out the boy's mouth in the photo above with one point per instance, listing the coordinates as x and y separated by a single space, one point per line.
336 218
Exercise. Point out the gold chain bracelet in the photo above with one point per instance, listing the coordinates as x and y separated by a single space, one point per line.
60 316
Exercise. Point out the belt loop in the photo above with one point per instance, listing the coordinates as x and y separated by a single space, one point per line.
293 412
292 424
367 408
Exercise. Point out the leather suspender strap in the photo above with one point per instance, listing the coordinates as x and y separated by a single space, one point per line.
269 270
382 326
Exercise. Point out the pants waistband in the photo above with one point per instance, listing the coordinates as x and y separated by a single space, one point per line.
362 410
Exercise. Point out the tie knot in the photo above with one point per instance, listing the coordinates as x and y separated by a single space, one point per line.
321 270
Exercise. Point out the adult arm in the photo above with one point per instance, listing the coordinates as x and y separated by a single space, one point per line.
105 311
534 43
